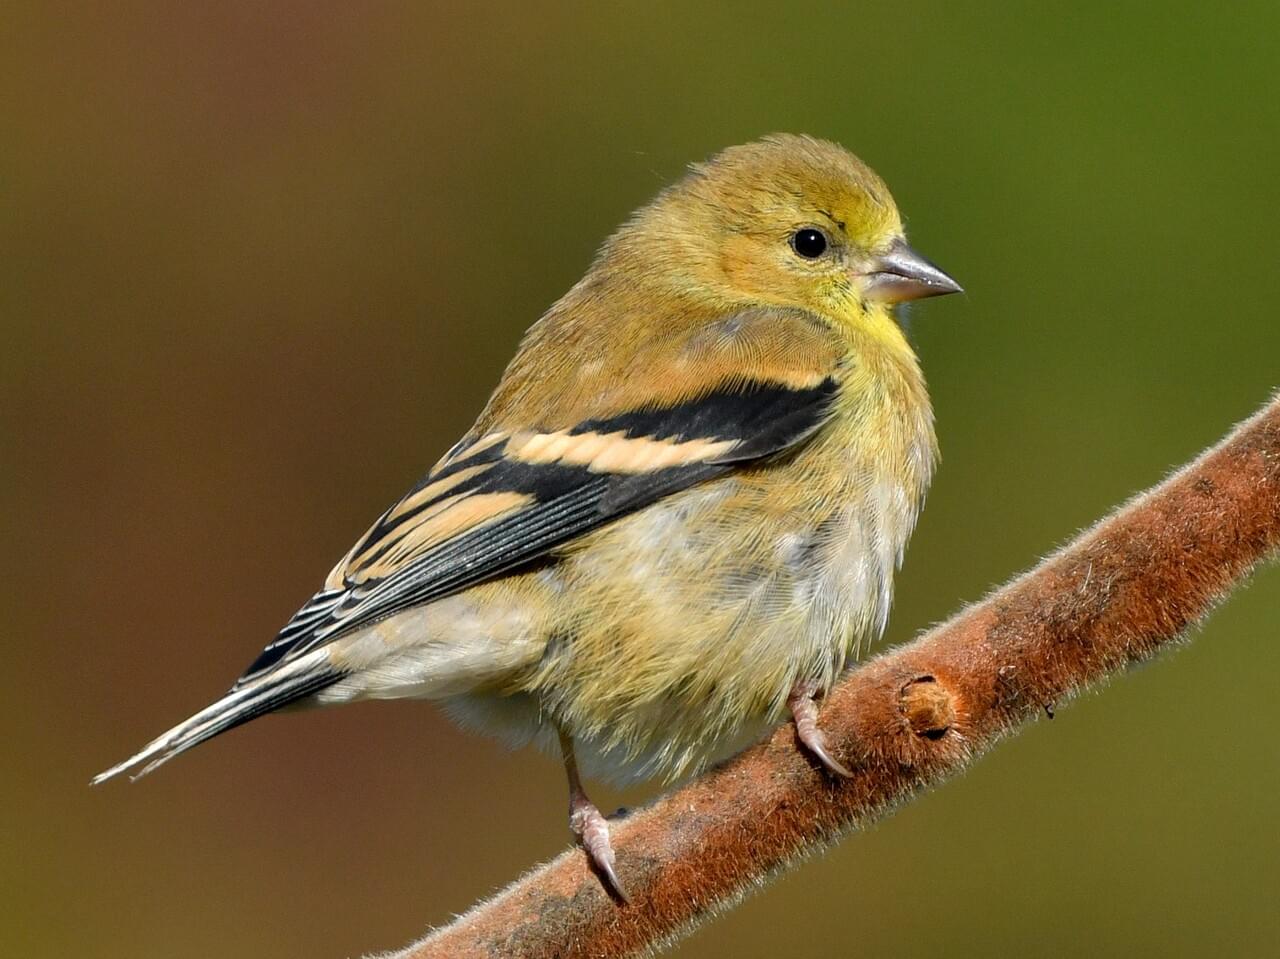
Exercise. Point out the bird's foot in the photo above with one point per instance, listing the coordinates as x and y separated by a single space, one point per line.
592 830
804 711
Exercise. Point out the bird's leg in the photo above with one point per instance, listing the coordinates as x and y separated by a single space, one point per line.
588 824
805 713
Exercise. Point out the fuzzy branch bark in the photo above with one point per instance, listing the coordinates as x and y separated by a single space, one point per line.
909 718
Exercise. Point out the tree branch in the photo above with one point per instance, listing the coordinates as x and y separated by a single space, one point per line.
909 718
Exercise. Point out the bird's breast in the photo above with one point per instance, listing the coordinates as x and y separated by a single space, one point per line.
683 624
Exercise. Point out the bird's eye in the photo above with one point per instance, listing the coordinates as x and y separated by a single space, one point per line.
809 243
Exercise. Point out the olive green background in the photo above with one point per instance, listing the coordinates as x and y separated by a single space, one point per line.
261 265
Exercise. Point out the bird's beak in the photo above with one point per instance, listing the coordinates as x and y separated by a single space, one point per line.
903 274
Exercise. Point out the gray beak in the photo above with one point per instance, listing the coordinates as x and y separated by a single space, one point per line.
903 274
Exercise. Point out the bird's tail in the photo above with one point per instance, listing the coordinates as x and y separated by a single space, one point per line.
258 697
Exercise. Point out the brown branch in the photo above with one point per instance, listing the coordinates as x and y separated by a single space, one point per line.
909 718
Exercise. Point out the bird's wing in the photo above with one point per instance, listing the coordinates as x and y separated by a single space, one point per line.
521 486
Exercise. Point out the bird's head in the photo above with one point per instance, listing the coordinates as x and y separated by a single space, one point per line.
787 221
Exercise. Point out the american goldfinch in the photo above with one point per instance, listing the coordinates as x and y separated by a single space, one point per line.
679 513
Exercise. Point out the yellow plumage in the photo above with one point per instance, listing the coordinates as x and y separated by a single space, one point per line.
691 620
680 511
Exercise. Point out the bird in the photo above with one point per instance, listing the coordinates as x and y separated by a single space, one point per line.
679 515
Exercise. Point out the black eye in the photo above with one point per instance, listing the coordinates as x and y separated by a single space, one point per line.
809 243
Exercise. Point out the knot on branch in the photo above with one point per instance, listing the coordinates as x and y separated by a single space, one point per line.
929 707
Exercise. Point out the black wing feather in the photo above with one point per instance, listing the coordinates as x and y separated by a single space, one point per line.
567 501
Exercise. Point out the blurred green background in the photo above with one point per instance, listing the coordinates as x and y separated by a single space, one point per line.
262 263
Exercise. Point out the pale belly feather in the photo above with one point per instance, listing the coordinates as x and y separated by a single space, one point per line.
701 614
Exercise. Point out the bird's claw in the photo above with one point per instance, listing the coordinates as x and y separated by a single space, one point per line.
816 743
804 711
592 830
